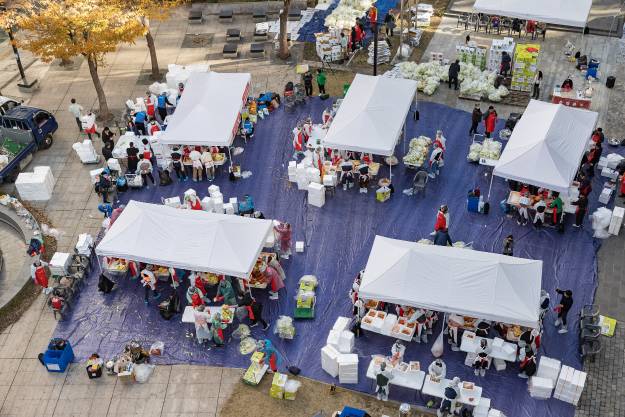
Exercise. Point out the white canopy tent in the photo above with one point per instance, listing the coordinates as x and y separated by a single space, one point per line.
371 117
547 146
188 239
455 280
558 12
209 110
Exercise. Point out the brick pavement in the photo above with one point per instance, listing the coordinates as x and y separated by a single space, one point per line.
26 389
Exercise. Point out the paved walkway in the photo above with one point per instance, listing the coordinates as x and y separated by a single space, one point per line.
26 389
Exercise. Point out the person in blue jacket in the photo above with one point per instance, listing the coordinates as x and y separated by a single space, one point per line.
140 119
161 105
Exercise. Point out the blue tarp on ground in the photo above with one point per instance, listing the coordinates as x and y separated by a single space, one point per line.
338 239
316 24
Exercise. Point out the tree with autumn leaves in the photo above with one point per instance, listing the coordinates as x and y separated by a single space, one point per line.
66 28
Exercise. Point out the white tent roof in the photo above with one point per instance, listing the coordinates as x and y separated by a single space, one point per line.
559 12
187 239
371 116
547 145
208 111
461 281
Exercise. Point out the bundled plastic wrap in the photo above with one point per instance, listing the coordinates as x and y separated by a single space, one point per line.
418 151
241 332
290 389
345 14
247 346
309 280
142 372
425 242
600 222
491 149
284 327
474 152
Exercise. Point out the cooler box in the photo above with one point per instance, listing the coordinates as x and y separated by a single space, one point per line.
473 204
57 360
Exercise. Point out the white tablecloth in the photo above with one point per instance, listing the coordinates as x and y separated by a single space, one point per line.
187 316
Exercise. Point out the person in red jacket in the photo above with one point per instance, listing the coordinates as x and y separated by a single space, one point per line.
489 121
442 219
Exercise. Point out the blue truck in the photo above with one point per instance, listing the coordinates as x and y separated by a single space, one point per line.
23 131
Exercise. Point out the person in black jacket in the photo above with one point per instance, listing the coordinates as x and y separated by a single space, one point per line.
476 118
454 70
255 311
107 150
308 83
582 208
566 302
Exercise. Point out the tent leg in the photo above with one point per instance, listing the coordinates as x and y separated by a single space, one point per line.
390 170
230 154
490 186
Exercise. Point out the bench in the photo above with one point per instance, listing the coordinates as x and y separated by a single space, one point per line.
233 35
226 15
295 13
195 16
259 15
231 50
257 50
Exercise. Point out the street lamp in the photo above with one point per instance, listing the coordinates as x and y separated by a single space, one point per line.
24 86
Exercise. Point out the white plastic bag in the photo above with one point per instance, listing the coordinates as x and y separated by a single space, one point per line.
142 372
439 345
601 221
157 348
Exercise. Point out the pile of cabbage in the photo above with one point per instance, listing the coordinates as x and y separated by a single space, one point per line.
346 13
428 75
417 151
489 149
473 81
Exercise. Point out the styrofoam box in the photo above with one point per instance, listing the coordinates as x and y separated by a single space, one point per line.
608 172
85 241
94 174
329 360
299 246
548 368
213 189
500 365
605 195
333 339
207 204
346 341
540 387
495 413
329 180
341 323
612 160
603 162
217 197
235 204
481 410
59 263
113 164
218 207
228 208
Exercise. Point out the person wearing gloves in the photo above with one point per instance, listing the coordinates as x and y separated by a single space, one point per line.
148 280
419 318
397 352
283 241
254 311
557 206
39 275
209 164
196 163
539 217
437 369
482 359
566 302
225 292
450 395
195 297
271 354
436 159
202 331
527 367
89 125
383 382
144 168
453 326
217 330
193 202
272 276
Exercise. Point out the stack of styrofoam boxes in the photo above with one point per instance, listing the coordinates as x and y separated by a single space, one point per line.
292 171
540 388
336 356
481 410
114 165
616 221
609 172
300 176
329 180
59 263
313 175
228 208
84 244
86 152
36 185
316 194
548 369
216 199
570 385
606 194
612 160
348 368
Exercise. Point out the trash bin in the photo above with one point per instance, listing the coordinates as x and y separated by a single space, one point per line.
610 81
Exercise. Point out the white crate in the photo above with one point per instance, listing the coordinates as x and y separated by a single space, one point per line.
229 208
299 246
341 323
172 202
59 263
346 341
616 221
605 196
333 339
548 368
84 244
329 360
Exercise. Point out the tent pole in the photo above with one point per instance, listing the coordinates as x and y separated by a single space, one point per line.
490 186
230 155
